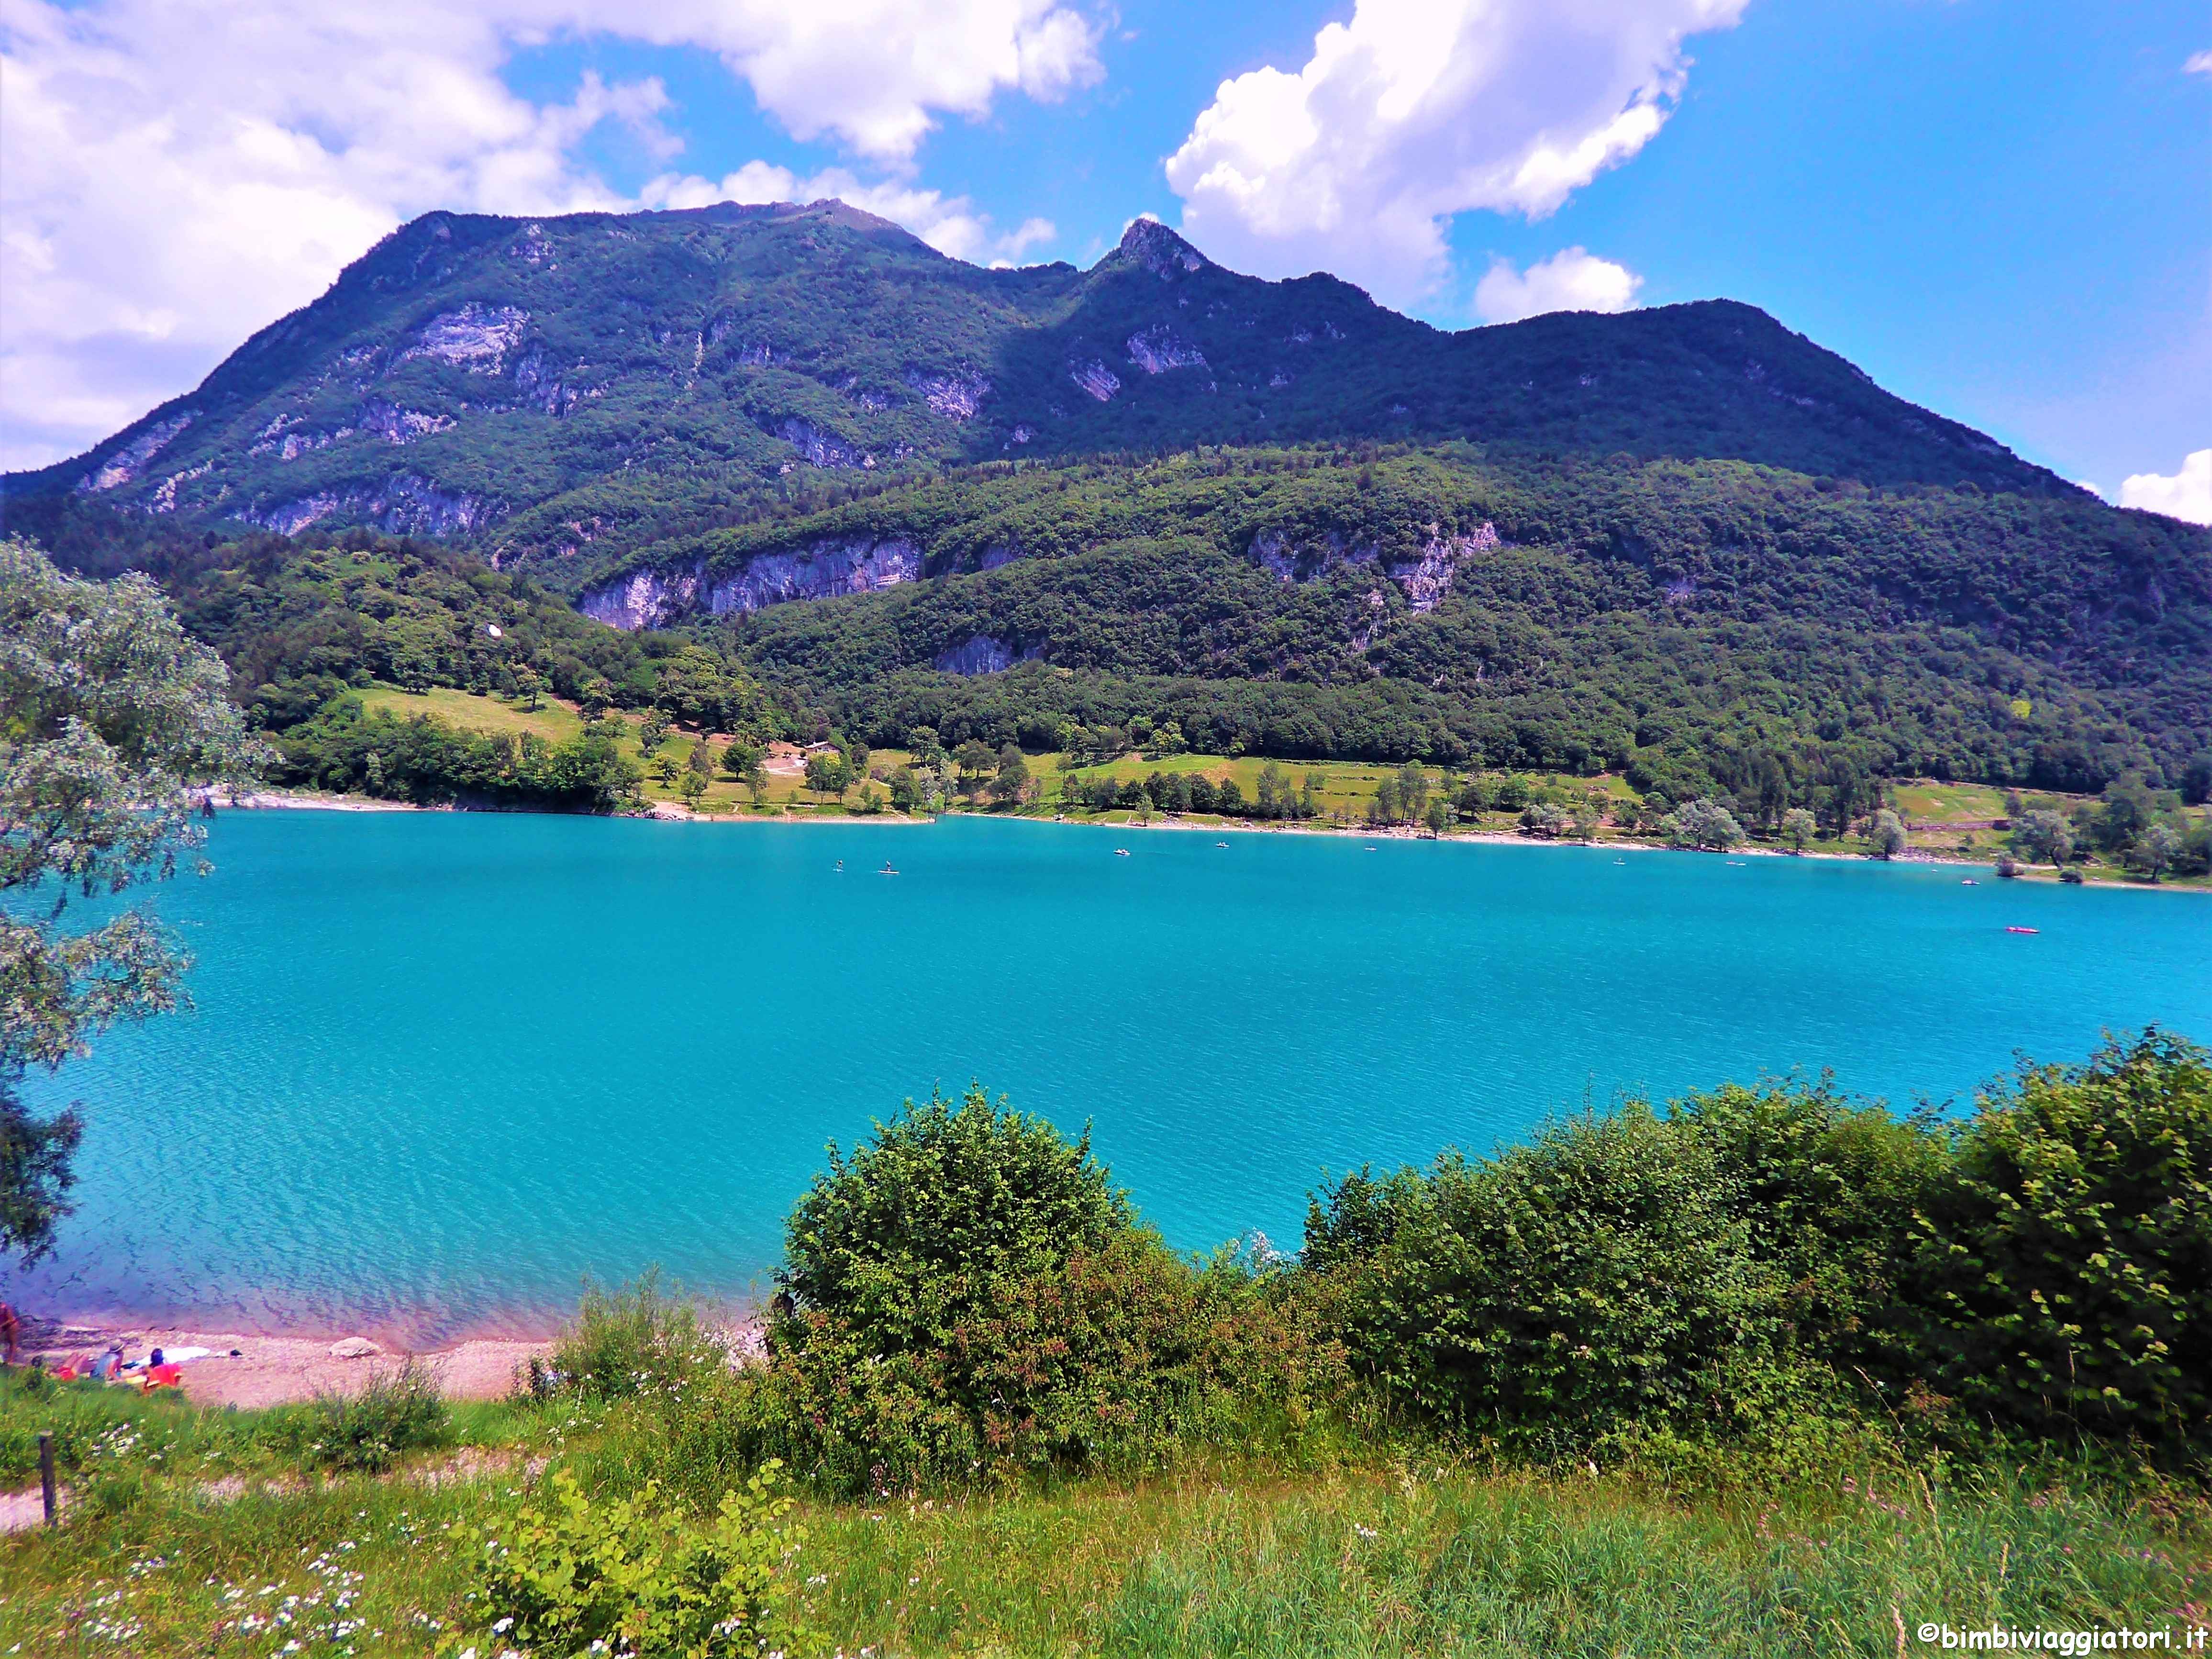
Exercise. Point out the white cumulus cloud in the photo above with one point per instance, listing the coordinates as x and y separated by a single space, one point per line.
176 173
1573 279
2198 63
2186 494
1417 110
950 224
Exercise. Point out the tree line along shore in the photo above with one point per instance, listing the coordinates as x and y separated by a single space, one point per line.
443 746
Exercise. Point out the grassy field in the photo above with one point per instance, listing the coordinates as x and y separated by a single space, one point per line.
190 1538
553 720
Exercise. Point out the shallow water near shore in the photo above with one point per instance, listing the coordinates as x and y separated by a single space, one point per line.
443 1066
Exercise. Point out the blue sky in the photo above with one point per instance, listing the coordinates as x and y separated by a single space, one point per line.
2001 209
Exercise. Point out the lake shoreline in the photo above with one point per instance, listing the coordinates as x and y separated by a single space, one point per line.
669 812
278 1362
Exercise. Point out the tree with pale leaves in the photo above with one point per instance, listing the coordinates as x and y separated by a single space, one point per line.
2153 850
2044 837
115 731
1704 823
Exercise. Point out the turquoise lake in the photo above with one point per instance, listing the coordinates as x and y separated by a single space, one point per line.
443 1066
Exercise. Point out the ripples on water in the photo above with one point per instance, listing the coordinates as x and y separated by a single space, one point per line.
444 1066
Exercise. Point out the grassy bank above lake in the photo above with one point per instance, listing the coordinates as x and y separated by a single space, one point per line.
191 1555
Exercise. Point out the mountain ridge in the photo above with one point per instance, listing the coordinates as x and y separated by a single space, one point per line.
493 378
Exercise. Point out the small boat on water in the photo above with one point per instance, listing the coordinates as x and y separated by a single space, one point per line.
1221 843
887 870
1121 852
2023 930
1969 882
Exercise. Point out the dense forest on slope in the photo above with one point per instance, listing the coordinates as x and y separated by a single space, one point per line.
303 628
1705 627
1690 622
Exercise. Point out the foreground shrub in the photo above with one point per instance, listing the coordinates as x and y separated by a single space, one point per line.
1112 1360
2066 1266
924 1225
625 1576
396 1412
1828 1190
969 1298
1596 1277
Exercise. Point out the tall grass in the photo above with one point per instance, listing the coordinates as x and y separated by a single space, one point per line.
1457 1563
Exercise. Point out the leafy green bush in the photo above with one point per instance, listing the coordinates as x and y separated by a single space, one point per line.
1827 1189
625 1576
2066 1261
1114 1359
968 1298
921 1227
1595 1278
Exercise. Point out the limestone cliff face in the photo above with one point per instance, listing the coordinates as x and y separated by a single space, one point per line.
656 598
128 462
477 338
1159 348
405 504
982 655
1095 379
1424 579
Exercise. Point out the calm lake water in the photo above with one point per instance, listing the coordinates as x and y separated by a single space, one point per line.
443 1066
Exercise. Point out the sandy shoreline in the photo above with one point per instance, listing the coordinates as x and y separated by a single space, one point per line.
247 1370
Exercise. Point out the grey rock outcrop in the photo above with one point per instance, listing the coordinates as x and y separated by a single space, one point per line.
980 655
126 463
1423 579
1159 348
477 338
405 504
1096 379
957 396
656 598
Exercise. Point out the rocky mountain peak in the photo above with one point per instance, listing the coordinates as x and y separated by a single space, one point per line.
1159 250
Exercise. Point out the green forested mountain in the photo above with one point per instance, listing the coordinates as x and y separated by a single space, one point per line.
886 489
558 384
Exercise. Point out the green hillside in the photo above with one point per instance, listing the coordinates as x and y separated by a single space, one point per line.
1693 624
